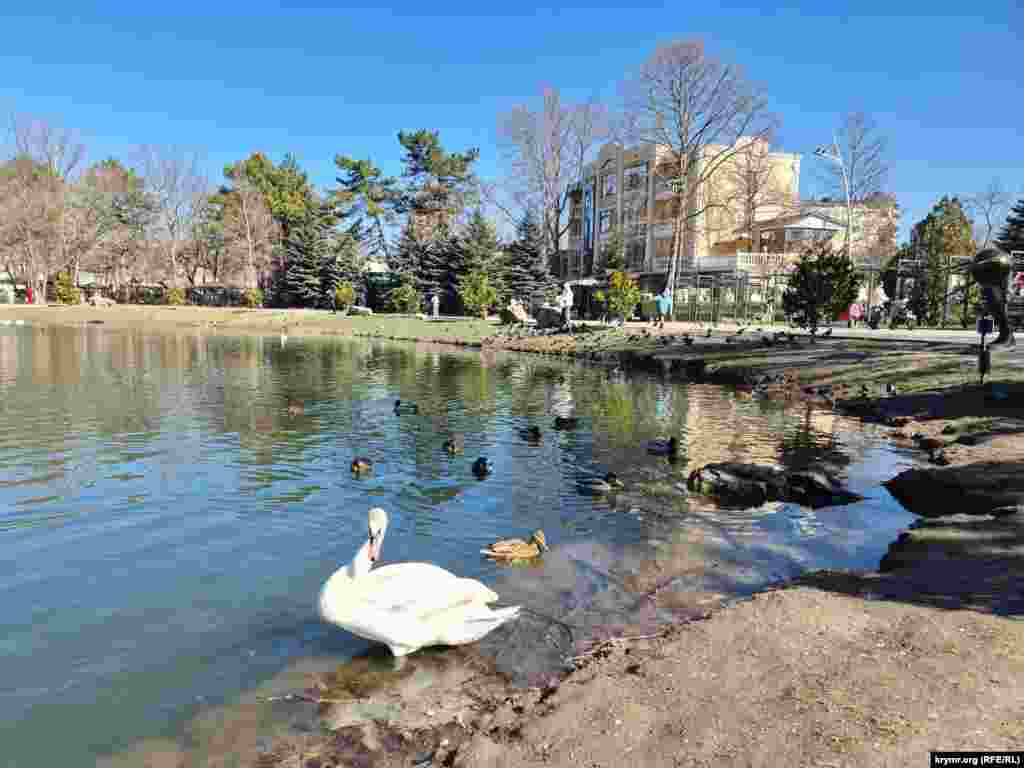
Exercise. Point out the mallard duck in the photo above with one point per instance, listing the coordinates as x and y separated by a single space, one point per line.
481 467
362 465
566 422
401 407
607 484
531 434
517 549
455 444
296 409
668 447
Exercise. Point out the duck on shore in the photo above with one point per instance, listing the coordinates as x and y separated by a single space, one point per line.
668 447
481 467
610 482
517 549
455 444
401 407
361 465
295 408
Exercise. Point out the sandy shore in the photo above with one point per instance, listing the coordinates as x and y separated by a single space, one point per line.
833 669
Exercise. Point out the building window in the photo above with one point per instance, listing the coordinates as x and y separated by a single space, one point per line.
635 255
636 177
604 221
609 183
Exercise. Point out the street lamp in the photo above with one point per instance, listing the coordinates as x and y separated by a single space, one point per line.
832 153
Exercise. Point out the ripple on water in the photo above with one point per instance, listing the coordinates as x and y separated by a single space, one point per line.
191 521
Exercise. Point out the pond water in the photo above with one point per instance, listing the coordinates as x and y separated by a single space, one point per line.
166 521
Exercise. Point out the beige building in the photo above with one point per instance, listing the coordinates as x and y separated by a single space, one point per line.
874 224
630 188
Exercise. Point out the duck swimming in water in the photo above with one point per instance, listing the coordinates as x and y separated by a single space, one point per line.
362 465
517 549
566 422
531 435
455 444
481 467
607 484
401 407
668 447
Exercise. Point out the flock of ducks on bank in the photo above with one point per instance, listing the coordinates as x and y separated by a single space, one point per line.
514 549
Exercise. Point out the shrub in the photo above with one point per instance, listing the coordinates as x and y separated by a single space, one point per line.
253 298
175 297
621 295
66 291
345 295
477 293
405 298
823 285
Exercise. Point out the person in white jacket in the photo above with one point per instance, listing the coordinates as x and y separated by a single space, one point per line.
565 302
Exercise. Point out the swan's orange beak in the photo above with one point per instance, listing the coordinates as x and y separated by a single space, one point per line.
374 548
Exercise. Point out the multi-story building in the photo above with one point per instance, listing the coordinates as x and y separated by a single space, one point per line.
874 223
631 189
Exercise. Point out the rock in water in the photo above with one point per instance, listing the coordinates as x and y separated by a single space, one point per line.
983 488
750 485
548 317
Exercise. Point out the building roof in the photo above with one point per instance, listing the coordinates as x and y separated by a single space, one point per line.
806 220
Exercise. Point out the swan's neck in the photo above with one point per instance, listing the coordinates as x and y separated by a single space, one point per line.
361 563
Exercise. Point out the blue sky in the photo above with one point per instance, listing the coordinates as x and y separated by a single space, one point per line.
942 80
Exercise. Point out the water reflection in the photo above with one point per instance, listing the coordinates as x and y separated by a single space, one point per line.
167 522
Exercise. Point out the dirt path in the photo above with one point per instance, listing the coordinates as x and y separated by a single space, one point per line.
800 676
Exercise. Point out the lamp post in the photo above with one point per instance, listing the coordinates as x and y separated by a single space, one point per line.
832 153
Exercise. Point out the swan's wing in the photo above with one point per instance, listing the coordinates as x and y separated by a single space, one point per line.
419 590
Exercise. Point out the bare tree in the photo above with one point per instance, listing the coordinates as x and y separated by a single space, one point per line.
695 109
989 207
546 150
250 231
863 152
751 186
173 178
53 156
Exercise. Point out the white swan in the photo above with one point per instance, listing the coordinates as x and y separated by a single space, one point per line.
407 606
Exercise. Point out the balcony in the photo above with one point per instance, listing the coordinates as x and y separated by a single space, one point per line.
756 263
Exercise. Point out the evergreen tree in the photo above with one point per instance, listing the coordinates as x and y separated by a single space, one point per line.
307 251
479 244
1011 236
823 285
477 250
339 266
941 235
525 270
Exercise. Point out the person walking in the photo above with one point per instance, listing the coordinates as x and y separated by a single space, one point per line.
566 302
664 307
435 306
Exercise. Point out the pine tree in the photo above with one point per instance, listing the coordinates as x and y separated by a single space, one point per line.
525 271
307 251
478 252
1011 236
339 266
